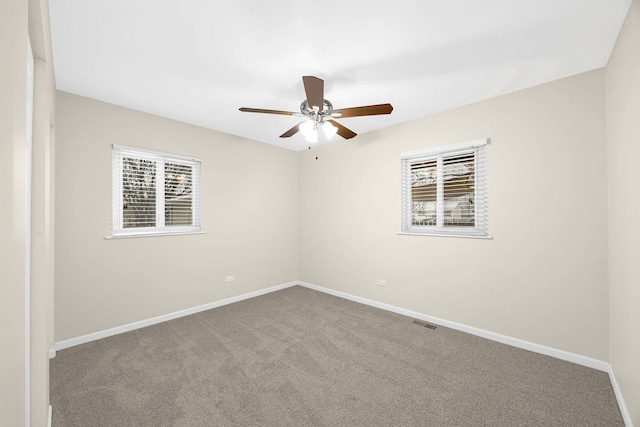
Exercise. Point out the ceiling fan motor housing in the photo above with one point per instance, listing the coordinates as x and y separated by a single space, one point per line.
310 112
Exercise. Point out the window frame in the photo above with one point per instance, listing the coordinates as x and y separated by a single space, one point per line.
160 158
437 154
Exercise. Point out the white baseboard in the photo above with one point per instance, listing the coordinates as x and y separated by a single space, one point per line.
49 417
623 407
515 342
61 345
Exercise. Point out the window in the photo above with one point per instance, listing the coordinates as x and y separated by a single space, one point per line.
443 190
154 193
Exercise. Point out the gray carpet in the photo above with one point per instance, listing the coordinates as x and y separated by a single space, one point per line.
297 357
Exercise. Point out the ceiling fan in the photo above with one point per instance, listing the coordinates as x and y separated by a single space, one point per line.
319 113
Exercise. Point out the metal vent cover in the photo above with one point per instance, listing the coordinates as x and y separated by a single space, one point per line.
424 324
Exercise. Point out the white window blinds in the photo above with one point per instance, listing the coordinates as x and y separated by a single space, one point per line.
444 190
154 193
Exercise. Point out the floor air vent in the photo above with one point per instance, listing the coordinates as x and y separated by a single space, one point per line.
426 325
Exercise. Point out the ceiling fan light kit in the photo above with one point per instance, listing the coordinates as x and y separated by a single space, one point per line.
310 129
319 113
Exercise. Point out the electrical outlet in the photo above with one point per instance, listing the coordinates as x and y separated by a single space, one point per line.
230 278
381 282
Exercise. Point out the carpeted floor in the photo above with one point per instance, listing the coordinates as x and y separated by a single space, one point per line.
298 357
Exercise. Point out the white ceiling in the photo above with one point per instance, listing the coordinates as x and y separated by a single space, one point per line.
198 61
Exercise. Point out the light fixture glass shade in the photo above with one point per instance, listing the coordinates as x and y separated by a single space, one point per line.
309 130
306 128
312 137
329 130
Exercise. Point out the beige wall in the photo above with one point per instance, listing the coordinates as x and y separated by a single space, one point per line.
13 173
623 155
543 277
249 214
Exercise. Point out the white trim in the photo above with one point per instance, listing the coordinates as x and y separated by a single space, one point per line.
467 236
160 160
150 234
143 151
28 215
50 416
61 345
504 339
626 416
475 149
116 192
445 148
514 342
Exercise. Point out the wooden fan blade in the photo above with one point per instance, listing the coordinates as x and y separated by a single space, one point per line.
291 131
260 110
314 88
367 110
343 131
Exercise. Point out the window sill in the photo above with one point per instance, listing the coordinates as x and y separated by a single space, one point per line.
135 236
466 236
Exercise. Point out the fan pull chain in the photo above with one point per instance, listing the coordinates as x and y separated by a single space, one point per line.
316 151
